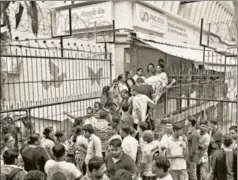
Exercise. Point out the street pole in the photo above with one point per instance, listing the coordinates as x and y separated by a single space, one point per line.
235 3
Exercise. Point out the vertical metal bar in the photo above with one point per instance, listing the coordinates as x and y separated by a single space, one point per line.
114 31
110 68
235 3
61 46
105 49
208 36
201 30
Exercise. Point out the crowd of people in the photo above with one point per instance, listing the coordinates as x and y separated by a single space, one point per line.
194 150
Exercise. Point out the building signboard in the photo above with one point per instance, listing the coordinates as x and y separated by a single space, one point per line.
146 18
85 17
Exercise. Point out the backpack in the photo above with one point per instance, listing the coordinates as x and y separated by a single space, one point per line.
11 175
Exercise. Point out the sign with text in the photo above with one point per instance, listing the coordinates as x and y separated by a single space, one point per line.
86 17
146 18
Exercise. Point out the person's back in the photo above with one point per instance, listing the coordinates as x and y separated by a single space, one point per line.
34 158
52 167
10 171
146 89
33 155
224 162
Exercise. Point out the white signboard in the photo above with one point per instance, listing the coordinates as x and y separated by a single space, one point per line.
85 17
149 19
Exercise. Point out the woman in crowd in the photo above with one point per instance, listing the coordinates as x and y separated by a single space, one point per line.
150 68
115 91
130 82
106 96
9 143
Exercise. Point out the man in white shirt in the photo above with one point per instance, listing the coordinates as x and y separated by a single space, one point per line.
94 145
59 167
129 143
176 151
160 167
140 104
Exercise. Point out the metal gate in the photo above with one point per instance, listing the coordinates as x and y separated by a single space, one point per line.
38 85
207 90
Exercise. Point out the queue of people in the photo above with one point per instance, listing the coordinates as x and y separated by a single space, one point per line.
201 152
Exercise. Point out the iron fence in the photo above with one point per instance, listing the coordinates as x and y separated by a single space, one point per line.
206 91
38 85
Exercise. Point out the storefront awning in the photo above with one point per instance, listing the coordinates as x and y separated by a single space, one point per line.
213 60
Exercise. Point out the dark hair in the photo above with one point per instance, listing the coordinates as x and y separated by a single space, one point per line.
7 137
95 163
161 61
78 131
10 155
89 108
177 127
103 114
126 129
213 122
130 79
35 175
139 69
127 73
161 66
58 150
47 131
115 143
33 138
143 126
115 81
193 120
140 80
125 107
203 122
234 127
227 140
162 162
120 77
150 64
59 134
88 128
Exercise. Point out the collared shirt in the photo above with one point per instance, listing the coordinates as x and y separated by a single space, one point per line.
130 146
125 162
94 148
176 147
140 103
